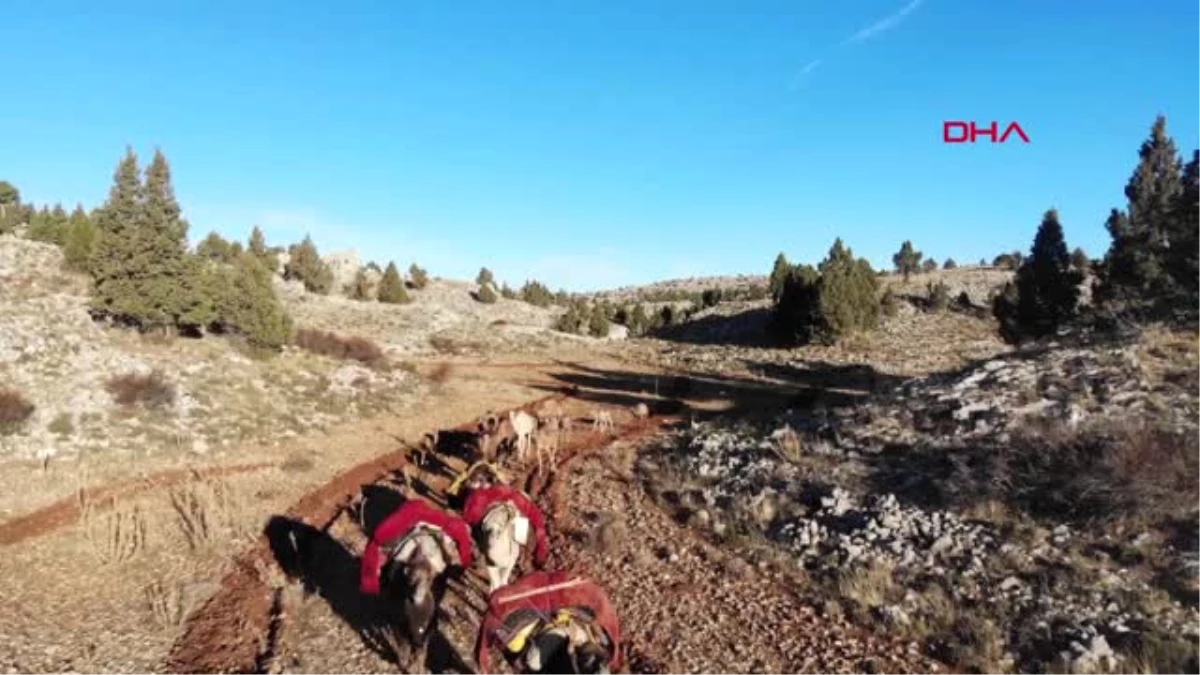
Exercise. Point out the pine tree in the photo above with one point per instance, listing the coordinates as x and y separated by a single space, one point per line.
949 264
535 293
391 286
117 256
507 292
930 265
1182 259
907 260
485 277
1135 270
49 225
305 264
1080 260
215 247
257 246
79 241
598 323
1047 287
779 275
169 288
638 321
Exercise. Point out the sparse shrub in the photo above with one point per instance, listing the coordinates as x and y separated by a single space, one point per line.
938 295
907 260
574 320
62 425
417 276
391 286
1047 288
711 297
331 344
305 264
361 288
536 294
15 409
507 292
949 264
150 391
889 303
930 265
485 277
487 294
837 299
598 323
114 536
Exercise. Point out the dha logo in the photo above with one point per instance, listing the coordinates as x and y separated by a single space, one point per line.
968 132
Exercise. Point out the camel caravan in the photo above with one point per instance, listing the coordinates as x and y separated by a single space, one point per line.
544 621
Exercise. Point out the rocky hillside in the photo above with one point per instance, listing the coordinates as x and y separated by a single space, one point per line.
117 399
1034 511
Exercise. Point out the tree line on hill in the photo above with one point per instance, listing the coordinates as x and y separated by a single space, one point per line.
1149 272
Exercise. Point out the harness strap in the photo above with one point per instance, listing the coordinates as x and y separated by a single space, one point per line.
539 591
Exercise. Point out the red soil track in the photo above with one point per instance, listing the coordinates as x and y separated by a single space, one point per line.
230 633
66 511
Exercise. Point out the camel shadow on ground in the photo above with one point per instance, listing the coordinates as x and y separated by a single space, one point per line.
328 569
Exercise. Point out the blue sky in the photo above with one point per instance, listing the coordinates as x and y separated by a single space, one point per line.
592 144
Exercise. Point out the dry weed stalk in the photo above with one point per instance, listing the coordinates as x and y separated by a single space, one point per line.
115 536
165 604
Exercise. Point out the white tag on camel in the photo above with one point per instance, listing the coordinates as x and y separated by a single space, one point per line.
521 530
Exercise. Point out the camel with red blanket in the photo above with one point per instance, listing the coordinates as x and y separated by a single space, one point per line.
407 558
553 622
501 517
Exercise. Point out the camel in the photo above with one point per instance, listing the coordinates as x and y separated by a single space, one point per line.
524 426
601 420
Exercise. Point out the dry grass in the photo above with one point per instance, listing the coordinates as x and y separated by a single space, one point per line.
868 585
151 391
328 343
115 535
207 509
14 410
1112 472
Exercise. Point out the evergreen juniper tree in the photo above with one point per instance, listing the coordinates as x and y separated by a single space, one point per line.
306 265
116 254
215 247
391 286
361 288
907 260
418 276
779 275
1183 260
1135 272
79 241
1047 286
11 211
485 277
257 246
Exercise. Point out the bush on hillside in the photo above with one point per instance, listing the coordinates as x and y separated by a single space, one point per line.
326 343
15 409
244 303
150 390
417 276
907 260
80 240
889 303
361 288
838 298
949 264
305 265
485 277
938 295
537 294
391 286
487 294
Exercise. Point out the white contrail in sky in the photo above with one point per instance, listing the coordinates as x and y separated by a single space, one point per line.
885 24
874 30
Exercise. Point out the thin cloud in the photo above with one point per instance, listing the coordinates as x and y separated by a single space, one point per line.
872 31
884 25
